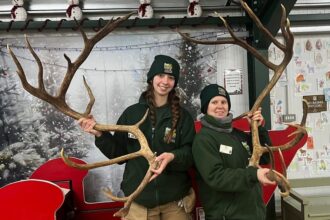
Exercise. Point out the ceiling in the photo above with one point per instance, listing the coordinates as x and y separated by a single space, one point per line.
115 5
95 9
56 8
268 11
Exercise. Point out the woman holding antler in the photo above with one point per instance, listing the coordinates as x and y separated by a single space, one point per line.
228 188
169 130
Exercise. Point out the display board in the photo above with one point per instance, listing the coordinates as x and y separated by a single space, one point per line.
306 77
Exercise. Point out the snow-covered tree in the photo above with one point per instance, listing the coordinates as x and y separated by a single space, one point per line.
191 77
32 131
11 108
59 130
19 156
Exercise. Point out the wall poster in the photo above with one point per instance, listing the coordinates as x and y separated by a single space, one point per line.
233 81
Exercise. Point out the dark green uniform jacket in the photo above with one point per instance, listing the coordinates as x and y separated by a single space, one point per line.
174 183
228 189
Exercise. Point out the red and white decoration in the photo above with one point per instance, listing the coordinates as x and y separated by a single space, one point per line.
145 9
194 9
74 11
18 12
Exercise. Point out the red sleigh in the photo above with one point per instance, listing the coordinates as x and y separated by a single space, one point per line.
35 199
31 199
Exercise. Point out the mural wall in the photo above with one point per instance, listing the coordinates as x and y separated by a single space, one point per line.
32 131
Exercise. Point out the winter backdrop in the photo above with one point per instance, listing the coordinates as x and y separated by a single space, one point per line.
32 131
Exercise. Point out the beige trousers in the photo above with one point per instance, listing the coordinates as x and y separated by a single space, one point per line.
168 211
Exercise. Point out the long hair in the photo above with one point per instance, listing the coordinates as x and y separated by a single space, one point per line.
174 102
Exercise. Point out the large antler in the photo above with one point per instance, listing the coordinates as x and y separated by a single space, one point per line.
58 101
278 69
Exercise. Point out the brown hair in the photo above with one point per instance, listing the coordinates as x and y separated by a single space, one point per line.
174 102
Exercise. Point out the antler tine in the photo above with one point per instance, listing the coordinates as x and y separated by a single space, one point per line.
299 132
89 166
59 100
279 178
282 162
20 71
261 26
305 109
88 46
40 73
282 183
91 98
134 129
129 199
144 151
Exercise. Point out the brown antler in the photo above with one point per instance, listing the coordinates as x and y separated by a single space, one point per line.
59 102
278 69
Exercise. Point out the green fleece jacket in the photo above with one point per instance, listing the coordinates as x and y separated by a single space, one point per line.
228 188
174 182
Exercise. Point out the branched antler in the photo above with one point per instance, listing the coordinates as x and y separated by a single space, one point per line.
278 69
59 103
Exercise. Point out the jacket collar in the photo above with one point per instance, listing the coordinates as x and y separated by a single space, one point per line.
218 124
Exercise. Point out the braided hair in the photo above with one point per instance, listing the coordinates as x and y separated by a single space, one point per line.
174 101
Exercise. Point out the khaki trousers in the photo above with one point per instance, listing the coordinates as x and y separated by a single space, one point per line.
168 211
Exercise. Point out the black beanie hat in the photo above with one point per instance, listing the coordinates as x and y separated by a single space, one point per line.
164 64
211 91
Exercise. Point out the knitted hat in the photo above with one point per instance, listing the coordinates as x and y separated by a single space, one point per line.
164 64
211 91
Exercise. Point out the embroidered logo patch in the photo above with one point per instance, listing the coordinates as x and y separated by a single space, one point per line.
221 91
168 68
247 147
167 130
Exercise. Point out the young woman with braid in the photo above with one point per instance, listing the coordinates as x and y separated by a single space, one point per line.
169 129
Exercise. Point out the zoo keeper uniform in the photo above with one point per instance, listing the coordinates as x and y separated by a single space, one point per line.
232 191
174 182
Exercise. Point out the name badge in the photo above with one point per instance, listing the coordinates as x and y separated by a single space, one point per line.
132 136
226 149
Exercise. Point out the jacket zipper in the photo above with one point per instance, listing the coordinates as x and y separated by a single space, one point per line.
155 180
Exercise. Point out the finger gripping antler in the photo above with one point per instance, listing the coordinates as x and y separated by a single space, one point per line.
144 151
281 181
277 177
298 134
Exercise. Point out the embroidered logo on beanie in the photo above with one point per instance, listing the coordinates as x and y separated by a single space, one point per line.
168 68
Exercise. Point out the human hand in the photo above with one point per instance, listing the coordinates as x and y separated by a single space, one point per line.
87 124
162 160
256 116
262 176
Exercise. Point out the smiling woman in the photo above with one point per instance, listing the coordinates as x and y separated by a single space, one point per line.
169 130
229 188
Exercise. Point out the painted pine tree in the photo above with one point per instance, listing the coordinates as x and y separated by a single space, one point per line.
191 77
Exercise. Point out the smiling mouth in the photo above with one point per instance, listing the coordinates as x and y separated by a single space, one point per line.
163 87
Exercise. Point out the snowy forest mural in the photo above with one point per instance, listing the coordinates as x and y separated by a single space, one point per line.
32 131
